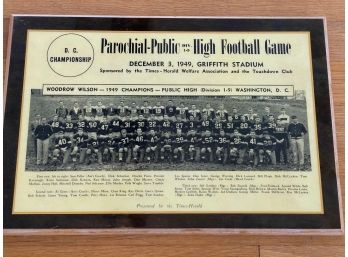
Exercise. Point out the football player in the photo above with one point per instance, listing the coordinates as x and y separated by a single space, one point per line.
209 111
62 146
244 126
193 125
125 141
182 111
267 148
89 111
122 110
111 112
208 143
206 124
166 146
166 124
258 127
196 113
61 111
92 126
93 148
153 123
146 110
158 110
80 141
69 127
112 146
222 112
179 123
194 143
237 148
252 143
139 144
222 146
81 123
75 112
229 126
179 141
170 109
152 145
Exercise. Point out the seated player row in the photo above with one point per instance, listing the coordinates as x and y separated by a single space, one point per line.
221 148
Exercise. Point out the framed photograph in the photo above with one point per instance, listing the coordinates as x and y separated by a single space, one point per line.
169 123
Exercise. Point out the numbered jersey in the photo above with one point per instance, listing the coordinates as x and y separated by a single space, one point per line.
100 110
104 128
56 126
244 127
92 126
209 112
142 124
269 144
258 127
69 127
127 125
166 141
206 125
222 113
113 143
217 126
94 143
195 113
153 124
222 141
124 141
208 141
270 127
237 142
81 140
115 125
180 125
252 142
139 140
179 140
171 111
82 124
158 110
152 140
63 142
123 110
193 125
146 111
182 112
229 127
194 140
166 125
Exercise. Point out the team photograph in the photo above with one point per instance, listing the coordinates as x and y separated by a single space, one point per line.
167 133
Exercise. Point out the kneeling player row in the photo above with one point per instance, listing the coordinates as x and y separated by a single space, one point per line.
153 147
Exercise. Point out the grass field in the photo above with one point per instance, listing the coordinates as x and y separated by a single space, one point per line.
45 106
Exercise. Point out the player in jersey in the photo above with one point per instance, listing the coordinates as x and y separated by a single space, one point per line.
223 142
209 111
100 111
61 111
207 146
179 141
267 114
75 112
89 111
122 110
258 127
93 149
280 133
92 126
112 145
152 146
134 110
166 124
182 111
69 127
250 116
205 124
237 147
141 123
181 124
146 110
158 110
111 111
127 125
270 125
103 128
252 143
56 125
267 149
229 126
196 113
153 123
80 141
222 112
218 125
235 117
244 126
62 145
194 143
139 144
166 146
193 125
125 141
170 109
115 126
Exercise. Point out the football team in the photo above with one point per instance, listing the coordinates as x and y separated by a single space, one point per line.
123 134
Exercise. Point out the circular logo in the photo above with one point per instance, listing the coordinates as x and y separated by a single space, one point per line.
70 55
